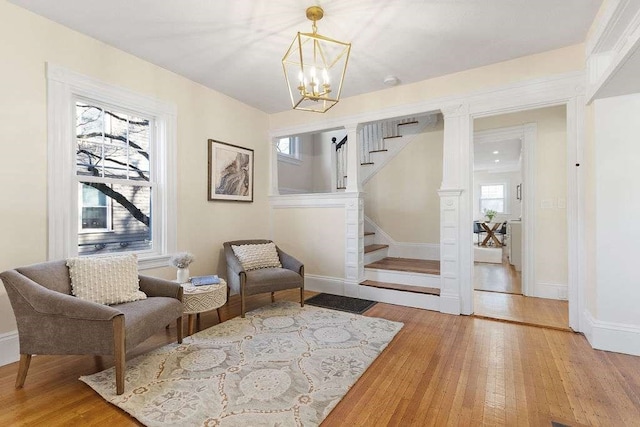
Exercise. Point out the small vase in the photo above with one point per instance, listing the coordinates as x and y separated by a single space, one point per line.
183 275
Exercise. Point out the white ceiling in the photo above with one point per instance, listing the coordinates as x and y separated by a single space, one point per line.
508 156
235 46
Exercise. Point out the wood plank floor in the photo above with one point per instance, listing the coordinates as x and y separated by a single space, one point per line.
439 370
407 264
497 278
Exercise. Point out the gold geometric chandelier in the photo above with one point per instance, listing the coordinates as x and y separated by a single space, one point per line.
314 67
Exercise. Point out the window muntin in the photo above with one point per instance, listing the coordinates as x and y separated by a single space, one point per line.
492 197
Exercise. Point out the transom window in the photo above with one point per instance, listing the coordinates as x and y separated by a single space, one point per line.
492 197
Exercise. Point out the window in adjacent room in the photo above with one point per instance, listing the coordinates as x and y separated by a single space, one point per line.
492 197
289 148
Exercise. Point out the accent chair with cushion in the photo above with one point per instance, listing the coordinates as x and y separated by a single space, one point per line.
259 266
52 321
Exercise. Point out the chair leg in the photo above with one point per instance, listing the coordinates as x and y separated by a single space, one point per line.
25 360
273 297
119 352
302 287
179 325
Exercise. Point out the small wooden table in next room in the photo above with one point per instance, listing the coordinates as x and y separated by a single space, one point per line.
198 299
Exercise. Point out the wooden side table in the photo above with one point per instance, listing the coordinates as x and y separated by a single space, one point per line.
198 299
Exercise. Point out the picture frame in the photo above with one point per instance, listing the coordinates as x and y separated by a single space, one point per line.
230 172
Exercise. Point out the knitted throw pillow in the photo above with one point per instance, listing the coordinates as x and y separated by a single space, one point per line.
253 257
105 280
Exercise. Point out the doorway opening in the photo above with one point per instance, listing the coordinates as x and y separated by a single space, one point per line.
520 218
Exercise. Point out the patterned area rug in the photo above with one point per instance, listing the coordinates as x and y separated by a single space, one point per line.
281 365
342 303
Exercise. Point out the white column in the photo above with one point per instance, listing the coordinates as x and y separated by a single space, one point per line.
353 159
354 244
456 274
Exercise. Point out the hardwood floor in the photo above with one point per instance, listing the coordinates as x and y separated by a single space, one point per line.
549 313
498 295
496 278
439 370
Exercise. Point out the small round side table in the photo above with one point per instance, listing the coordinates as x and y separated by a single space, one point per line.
198 299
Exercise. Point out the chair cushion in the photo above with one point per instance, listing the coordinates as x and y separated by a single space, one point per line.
271 280
105 280
257 256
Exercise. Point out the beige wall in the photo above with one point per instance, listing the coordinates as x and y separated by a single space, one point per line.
28 42
551 187
402 197
558 61
313 235
297 177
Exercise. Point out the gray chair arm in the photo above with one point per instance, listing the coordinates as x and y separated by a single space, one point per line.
47 302
155 287
289 262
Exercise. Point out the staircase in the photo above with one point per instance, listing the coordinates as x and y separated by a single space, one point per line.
403 281
381 141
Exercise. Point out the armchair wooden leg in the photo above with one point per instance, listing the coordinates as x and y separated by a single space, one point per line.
273 297
25 360
179 325
302 287
119 352
243 279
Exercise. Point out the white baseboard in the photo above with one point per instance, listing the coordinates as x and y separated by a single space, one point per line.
550 291
450 304
610 336
9 348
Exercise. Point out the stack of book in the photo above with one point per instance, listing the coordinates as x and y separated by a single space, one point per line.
205 280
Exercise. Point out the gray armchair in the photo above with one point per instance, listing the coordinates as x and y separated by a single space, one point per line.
262 280
52 321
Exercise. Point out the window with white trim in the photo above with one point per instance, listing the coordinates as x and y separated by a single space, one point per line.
112 165
492 197
288 148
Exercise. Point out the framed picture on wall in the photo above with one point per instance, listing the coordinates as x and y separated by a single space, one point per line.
230 172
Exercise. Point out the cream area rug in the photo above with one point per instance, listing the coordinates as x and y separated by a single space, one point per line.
282 365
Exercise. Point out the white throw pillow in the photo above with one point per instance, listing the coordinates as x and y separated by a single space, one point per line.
106 280
255 256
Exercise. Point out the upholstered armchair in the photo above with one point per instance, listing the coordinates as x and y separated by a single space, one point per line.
261 280
52 321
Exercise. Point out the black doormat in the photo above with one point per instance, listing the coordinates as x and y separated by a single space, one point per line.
338 302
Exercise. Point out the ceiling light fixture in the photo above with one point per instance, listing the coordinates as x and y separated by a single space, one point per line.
313 66
496 152
497 160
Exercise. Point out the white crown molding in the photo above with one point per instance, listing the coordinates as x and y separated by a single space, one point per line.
540 91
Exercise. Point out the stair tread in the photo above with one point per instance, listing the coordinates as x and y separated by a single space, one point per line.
378 151
371 248
409 265
391 137
399 287
414 122
369 233
367 163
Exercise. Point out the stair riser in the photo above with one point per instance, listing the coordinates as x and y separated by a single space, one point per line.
403 277
369 240
408 299
376 255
